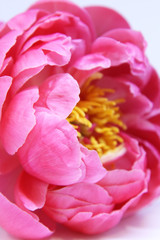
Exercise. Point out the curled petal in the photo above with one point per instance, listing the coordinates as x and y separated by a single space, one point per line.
18 120
65 6
51 151
91 224
59 93
7 42
91 193
30 192
130 155
32 59
94 171
92 61
63 204
56 52
89 64
19 223
127 35
120 53
24 21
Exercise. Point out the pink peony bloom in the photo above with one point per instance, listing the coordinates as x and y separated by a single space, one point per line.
79 124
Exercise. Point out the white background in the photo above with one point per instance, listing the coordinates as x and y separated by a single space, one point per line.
144 16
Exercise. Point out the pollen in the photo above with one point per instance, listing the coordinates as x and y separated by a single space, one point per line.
97 119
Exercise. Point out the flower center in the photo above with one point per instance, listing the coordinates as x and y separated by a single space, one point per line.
97 119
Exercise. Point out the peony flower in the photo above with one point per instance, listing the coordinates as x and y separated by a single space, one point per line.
79 123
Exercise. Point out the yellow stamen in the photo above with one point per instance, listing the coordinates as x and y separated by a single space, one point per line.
97 119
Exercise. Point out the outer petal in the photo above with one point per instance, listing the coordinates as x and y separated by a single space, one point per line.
18 120
62 23
127 35
59 93
24 21
5 83
31 59
92 224
19 223
120 53
51 151
30 192
123 185
105 19
91 193
6 43
93 221
55 53
65 6
64 203
154 84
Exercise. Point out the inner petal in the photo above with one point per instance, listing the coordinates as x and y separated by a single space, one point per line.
96 118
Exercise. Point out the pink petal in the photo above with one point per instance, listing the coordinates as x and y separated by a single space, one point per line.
91 61
143 129
84 222
64 203
56 42
120 53
51 151
8 182
8 61
55 52
31 59
153 163
23 78
88 192
30 192
123 185
65 6
84 67
136 102
117 52
18 120
153 83
105 19
24 21
94 170
6 43
59 93
127 35
92 224
130 154
61 23
58 52
7 162
5 83
19 223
